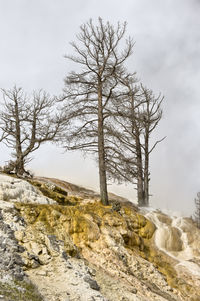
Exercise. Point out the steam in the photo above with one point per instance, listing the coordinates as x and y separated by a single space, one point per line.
166 58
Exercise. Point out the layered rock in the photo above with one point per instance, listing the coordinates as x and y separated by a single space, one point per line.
178 238
14 283
17 190
74 248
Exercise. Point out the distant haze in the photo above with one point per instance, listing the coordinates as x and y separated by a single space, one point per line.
35 35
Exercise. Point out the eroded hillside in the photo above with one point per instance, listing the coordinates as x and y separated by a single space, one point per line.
71 247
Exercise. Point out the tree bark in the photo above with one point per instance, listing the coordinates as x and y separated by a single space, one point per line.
146 171
140 176
101 150
20 160
140 185
140 180
20 170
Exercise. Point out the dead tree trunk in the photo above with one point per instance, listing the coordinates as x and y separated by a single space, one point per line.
197 210
140 181
101 149
138 114
26 123
146 172
19 163
88 94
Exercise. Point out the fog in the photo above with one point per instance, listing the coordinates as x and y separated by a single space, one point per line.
35 36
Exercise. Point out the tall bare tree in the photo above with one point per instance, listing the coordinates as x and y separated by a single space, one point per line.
196 215
89 92
26 123
150 116
138 113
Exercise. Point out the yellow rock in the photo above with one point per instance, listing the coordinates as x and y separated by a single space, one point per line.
105 236
148 230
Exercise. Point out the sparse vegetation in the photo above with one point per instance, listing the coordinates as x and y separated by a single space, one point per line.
19 291
56 193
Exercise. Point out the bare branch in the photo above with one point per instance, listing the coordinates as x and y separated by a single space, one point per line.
89 94
27 122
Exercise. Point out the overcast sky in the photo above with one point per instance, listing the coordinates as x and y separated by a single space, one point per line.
35 36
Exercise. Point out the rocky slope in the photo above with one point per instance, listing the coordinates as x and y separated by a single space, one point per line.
59 243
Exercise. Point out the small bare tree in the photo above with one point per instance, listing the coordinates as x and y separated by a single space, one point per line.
196 215
149 116
26 123
89 93
138 114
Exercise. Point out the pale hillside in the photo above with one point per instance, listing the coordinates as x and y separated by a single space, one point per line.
59 243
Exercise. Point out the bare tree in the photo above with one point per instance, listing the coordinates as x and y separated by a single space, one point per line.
138 114
26 123
151 115
89 92
196 215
